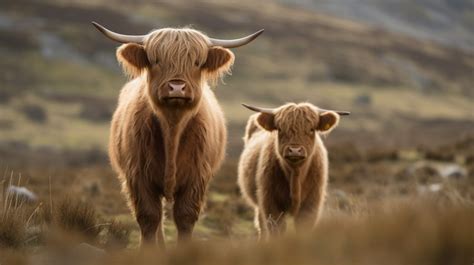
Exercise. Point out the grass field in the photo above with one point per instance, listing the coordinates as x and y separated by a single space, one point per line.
407 207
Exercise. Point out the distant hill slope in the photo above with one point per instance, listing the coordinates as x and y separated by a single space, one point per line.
321 48
447 21
59 78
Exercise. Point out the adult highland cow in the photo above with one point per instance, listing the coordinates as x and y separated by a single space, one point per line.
168 132
283 168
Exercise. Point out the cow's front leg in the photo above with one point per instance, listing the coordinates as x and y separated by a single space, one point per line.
187 207
259 222
272 218
149 218
148 209
306 219
309 213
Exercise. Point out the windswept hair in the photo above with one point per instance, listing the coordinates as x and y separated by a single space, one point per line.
292 117
182 49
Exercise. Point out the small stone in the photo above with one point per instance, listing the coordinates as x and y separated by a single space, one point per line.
21 194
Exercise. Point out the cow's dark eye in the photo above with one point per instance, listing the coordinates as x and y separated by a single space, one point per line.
312 130
197 63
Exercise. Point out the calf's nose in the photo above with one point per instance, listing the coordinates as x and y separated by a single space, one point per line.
295 154
296 151
176 87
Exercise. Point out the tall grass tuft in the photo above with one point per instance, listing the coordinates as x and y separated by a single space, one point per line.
13 230
77 217
117 236
15 217
66 221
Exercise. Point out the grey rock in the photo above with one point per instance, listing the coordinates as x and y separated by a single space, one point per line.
21 194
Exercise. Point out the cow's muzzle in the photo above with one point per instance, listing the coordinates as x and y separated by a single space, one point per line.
177 92
295 154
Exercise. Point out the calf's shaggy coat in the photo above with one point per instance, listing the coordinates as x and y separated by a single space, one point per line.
168 132
284 166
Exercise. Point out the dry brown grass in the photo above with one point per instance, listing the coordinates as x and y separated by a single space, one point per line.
65 221
410 232
16 217
77 217
13 229
118 235
375 214
380 210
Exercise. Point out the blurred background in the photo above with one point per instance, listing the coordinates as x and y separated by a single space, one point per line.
405 69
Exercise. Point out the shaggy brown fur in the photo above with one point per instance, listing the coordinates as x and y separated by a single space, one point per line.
164 147
273 182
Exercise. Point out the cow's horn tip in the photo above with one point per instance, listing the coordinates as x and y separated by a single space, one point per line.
96 25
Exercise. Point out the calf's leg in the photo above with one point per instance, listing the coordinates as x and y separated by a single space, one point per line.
272 219
309 212
259 222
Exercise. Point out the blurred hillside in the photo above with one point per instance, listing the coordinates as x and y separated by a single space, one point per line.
59 79
446 21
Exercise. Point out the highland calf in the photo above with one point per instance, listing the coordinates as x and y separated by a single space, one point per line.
284 166
168 132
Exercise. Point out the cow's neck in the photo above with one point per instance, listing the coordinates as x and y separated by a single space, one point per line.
295 177
173 124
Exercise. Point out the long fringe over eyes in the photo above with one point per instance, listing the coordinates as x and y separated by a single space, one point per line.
182 49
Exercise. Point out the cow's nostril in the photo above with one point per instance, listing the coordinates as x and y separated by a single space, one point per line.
296 150
176 87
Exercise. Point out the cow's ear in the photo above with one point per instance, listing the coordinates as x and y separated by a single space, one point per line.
327 121
218 60
266 121
133 59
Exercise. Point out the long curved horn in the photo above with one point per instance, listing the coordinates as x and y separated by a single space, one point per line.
139 39
257 109
342 113
237 42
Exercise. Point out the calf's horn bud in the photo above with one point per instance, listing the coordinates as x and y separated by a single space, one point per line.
272 111
340 112
257 109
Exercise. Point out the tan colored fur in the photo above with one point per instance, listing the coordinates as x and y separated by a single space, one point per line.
162 151
271 185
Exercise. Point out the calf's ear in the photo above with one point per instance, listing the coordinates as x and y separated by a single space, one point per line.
218 60
267 121
327 121
133 59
